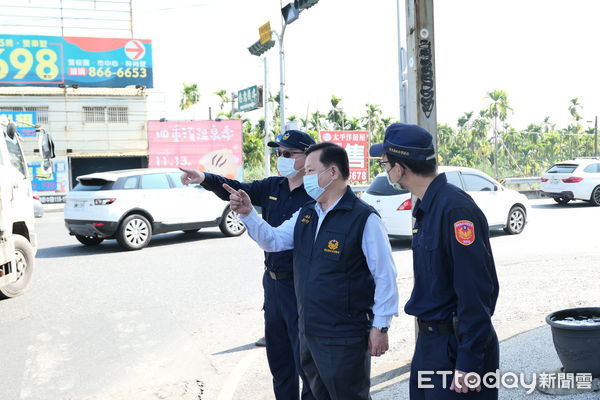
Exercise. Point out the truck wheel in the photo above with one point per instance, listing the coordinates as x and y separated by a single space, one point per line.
231 224
89 240
134 233
25 256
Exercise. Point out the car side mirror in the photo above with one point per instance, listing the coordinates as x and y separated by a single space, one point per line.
11 130
496 188
46 148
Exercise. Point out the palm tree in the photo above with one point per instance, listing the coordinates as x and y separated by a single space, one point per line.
190 96
498 110
222 98
336 115
463 121
548 126
315 122
372 118
574 109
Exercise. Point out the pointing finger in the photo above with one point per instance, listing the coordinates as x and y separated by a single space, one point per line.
243 194
229 189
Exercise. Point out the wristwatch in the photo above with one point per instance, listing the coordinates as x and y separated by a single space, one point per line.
382 329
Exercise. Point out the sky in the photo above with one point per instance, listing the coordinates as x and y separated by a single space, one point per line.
542 52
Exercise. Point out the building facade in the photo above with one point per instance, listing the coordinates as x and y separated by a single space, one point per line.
94 129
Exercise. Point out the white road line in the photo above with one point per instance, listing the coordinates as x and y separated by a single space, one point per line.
236 375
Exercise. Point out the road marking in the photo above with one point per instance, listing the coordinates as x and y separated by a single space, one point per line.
236 375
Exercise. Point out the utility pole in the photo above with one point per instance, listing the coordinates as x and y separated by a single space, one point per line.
596 136
266 107
282 80
421 89
401 58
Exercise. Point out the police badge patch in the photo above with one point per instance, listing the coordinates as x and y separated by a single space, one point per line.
464 231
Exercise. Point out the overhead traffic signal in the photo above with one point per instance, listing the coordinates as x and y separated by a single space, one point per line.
304 4
290 13
258 49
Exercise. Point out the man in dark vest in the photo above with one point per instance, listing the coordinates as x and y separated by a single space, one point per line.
344 275
279 197
456 287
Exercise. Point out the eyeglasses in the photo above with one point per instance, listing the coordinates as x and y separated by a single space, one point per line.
382 163
287 154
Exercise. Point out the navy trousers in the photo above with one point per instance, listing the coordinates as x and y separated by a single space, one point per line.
337 368
281 335
437 352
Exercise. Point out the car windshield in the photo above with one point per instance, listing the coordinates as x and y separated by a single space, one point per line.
381 187
562 169
90 185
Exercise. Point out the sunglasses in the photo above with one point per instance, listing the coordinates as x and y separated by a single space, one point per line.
286 153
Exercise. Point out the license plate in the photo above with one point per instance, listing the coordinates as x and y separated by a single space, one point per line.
78 204
554 181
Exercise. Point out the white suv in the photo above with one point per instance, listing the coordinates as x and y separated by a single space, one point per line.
131 205
575 179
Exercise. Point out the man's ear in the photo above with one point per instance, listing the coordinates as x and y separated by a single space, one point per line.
335 172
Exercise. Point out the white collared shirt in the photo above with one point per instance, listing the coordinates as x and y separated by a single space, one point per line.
375 246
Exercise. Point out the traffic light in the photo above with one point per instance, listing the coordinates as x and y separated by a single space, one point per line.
290 13
258 49
304 4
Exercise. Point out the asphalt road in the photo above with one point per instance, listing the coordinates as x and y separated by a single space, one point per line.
178 320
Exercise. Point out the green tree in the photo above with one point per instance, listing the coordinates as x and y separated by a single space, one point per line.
336 115
223 99
497 110
190 96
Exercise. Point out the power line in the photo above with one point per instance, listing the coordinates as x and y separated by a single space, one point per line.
65 18
66 9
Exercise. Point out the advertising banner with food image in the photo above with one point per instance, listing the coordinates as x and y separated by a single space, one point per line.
208 146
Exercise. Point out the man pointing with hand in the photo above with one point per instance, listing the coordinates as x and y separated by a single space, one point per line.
344 275
279 197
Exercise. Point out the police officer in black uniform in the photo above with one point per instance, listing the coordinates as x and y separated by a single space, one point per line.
279 198
455 283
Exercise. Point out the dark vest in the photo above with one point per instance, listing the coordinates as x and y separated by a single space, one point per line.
334 287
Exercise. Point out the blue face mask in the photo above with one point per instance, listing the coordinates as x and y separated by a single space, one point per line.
285 166
311 185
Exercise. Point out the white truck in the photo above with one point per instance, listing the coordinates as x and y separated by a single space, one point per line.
17 233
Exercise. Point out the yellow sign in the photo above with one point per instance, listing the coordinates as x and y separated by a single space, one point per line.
266 34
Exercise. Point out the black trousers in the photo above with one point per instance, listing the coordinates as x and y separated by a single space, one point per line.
437 353
281 335
337 368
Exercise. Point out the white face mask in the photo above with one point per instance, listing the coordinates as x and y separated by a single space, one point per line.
395 185
285 166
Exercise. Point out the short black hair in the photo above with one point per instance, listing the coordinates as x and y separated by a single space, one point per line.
419 167
332 154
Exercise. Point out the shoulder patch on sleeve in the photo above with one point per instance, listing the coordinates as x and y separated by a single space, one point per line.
464 232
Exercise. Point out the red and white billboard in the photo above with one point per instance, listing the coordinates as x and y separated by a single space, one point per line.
208 146
356 144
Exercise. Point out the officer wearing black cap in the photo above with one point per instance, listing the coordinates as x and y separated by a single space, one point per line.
280 197
455 283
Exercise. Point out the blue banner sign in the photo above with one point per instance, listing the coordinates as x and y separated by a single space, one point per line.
94 62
